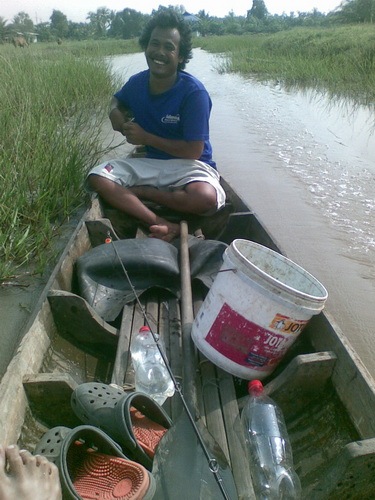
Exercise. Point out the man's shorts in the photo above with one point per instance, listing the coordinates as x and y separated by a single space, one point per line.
166 175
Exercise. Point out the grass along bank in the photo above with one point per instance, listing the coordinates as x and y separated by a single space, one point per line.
54 101
340 60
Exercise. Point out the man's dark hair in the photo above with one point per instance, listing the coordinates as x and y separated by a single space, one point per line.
169 19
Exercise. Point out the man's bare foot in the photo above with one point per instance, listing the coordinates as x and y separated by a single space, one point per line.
27 477
166 231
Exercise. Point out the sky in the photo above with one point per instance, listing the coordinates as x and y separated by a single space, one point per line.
77 10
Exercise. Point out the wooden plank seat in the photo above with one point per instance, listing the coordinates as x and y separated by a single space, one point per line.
76 319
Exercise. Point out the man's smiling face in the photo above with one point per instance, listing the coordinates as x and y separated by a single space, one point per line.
162 52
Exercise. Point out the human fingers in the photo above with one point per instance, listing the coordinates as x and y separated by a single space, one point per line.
14 458
44 463
128 127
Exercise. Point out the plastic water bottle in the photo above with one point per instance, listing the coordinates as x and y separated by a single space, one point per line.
269 448
151 374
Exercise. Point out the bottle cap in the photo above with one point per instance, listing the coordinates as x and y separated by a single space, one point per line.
144 329
255 387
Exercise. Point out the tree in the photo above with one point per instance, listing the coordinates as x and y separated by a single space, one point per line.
100 21
233 24
5 31
59 24
216 27
44 32
78 31
358 11
258 10
204 23
22 23
202 14
180 9
127 24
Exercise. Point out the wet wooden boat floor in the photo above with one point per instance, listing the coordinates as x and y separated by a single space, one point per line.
321 423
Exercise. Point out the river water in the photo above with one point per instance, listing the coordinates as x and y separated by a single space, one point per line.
305 164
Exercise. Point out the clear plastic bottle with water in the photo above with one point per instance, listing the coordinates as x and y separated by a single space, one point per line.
151 374
269 449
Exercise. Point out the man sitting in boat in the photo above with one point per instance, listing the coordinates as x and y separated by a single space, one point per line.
167 110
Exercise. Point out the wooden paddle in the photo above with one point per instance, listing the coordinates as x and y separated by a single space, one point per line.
188 459
187 318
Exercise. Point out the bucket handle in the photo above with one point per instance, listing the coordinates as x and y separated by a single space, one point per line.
229 269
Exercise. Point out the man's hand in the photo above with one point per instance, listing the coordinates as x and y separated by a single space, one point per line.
117 119
134 134
119 115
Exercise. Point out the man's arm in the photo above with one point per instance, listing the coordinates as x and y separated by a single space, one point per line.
119 115
180 149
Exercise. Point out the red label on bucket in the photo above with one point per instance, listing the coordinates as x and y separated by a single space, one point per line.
251 345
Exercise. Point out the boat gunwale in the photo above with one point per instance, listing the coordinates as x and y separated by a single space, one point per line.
36 339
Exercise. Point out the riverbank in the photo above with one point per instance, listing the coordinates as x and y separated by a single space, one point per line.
340 60
53 106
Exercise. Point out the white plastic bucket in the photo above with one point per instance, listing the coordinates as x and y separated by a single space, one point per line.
258 304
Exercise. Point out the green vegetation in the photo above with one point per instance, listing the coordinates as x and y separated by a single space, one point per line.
54 101
340 60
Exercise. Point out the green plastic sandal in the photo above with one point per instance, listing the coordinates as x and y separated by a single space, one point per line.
91 465
134 420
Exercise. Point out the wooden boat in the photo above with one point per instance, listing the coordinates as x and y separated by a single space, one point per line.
326 394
